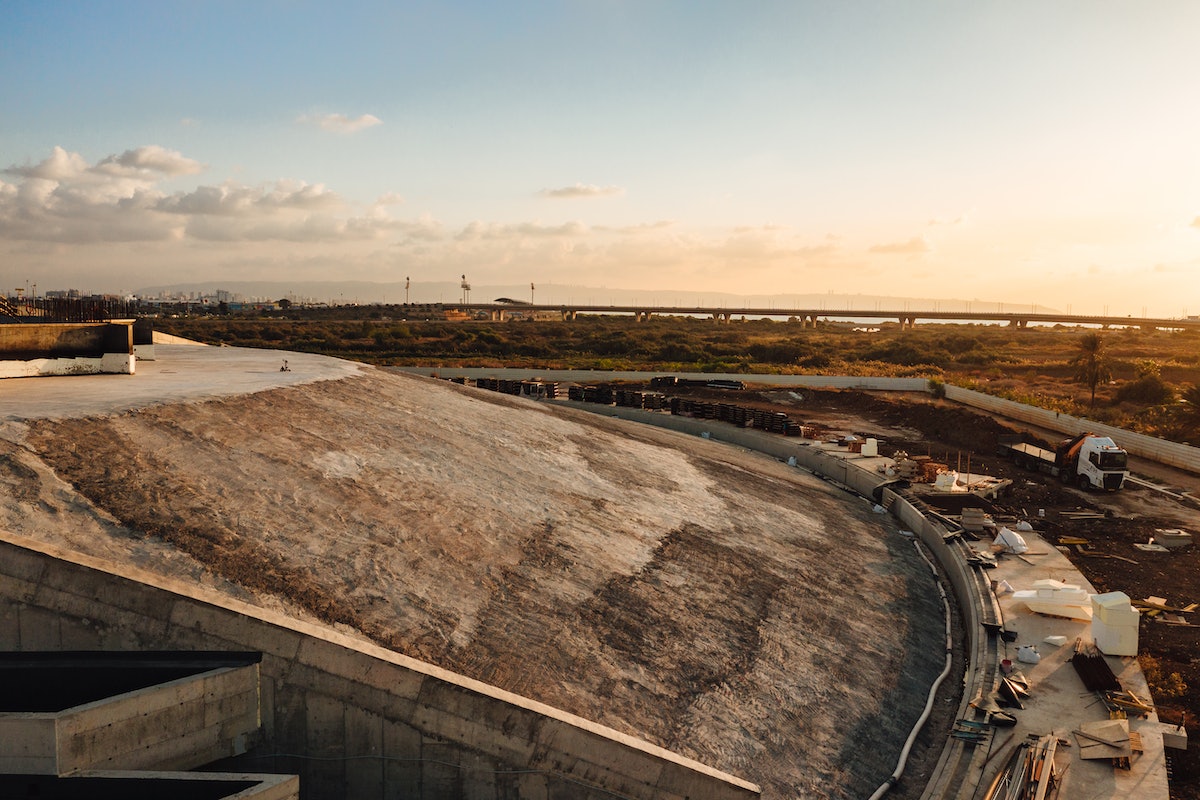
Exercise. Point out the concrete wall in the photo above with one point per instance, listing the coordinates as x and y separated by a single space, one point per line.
29 350
126 783
181 724
67 339
28 744
365 721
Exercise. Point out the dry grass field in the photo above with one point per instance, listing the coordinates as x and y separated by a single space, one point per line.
1148 371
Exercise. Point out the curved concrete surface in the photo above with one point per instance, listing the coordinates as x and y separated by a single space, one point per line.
180 373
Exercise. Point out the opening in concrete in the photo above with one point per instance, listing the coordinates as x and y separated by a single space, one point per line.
49 787
49 682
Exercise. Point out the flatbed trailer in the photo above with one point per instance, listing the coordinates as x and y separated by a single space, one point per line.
1087 460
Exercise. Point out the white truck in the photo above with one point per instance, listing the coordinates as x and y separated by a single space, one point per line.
1086 460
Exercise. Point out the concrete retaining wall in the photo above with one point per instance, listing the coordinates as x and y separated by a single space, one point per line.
352 719
80 348
181 724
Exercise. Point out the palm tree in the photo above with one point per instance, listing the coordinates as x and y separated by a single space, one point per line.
1091 363
1189 409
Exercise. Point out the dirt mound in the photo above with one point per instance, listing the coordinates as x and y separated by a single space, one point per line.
710 600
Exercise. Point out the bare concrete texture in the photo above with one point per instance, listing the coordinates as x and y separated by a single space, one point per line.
180 372
181 724
712 601
351 718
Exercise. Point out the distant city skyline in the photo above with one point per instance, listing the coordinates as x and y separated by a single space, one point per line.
1009 152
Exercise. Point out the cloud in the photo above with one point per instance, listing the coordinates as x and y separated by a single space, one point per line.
231 199
1196 222
644 227
149 159
962 219
581 190
340 123
59 207
481 230
61 165
914 246
63 199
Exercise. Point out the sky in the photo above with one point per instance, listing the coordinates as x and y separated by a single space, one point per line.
1012 151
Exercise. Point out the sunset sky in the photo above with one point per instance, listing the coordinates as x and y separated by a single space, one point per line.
1005 151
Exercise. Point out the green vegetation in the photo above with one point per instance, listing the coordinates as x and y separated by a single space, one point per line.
1143 380
1091 363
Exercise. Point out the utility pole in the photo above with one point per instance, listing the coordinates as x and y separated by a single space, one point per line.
406 291
531 293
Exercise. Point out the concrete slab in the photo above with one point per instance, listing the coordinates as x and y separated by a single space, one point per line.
179 373
1059 703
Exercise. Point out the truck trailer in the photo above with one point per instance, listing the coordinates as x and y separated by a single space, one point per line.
1088 460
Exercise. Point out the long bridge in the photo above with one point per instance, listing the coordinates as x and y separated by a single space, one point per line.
808 317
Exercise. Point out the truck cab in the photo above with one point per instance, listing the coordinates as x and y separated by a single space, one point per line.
1102 464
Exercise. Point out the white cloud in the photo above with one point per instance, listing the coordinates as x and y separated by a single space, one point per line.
64 204
233 199
340 123
581 190
61 165
913 247
150 159
962 219
480 230
119 199
389 199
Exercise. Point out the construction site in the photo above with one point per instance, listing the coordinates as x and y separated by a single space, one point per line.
449 591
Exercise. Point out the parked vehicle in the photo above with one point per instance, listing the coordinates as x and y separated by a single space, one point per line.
1086 460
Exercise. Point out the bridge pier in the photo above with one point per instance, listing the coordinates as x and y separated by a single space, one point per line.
568 315
908 323
721 316
1018 323
644 316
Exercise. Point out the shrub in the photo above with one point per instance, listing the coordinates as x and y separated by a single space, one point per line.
1164 686
1149 389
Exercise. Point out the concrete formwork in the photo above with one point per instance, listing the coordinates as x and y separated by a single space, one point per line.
351 718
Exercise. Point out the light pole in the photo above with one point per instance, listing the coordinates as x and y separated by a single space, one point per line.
531 293
406 291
